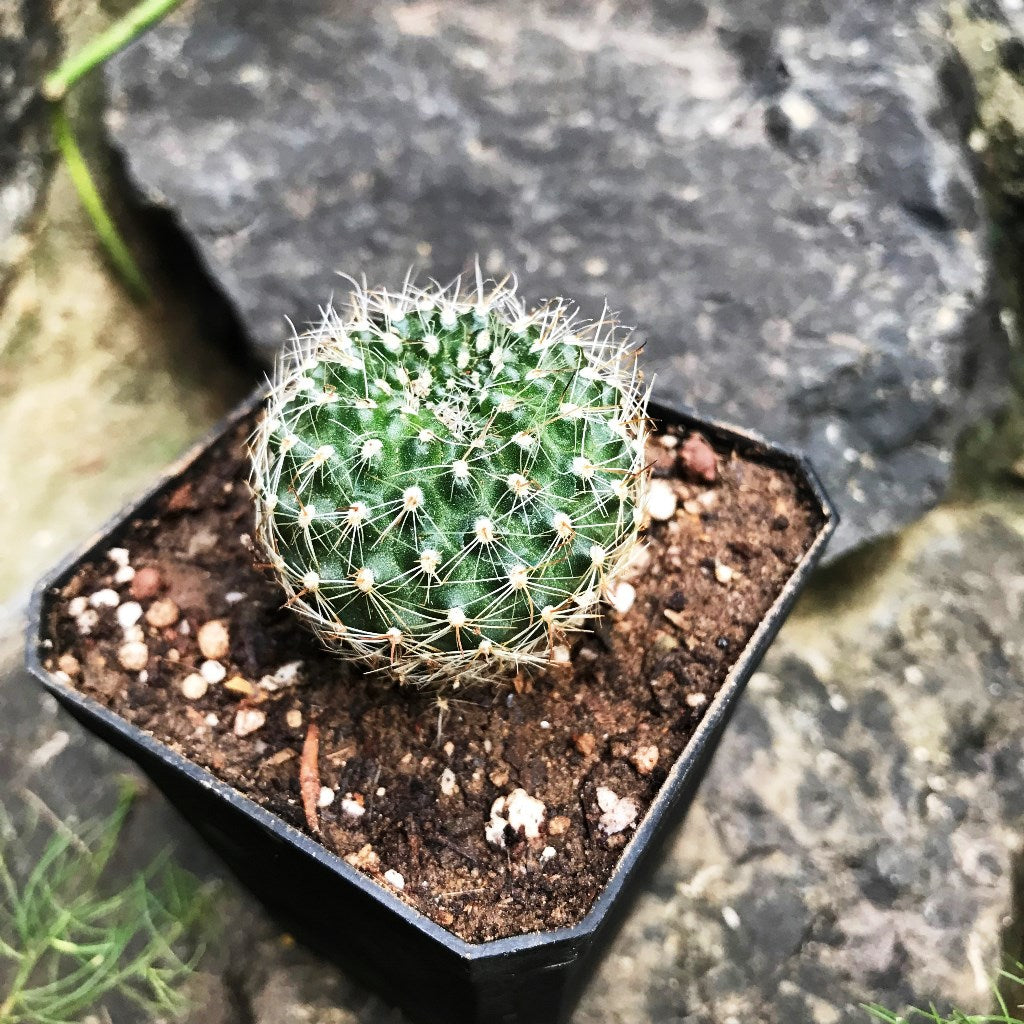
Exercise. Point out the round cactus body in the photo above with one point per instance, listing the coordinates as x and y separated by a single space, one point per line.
442 481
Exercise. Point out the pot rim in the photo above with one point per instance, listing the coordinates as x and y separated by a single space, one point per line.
645 830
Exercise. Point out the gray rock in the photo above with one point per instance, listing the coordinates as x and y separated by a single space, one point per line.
774 192
28 42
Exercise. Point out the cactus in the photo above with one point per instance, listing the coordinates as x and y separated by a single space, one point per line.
442 481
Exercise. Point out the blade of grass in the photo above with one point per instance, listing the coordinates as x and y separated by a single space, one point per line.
100 49
115 247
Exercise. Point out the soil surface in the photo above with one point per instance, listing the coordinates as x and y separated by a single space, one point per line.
179 632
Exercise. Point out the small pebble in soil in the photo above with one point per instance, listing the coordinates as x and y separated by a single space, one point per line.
234 596
293 719
621 596
211 719
661 500
699 458
559 826
676 618
133 656
286 675
585 743
724 573
105 598
494 830
212 671
119 556
561 655
213 639
393 878
134 634
353 808
449 787
524 813
548 853
162 613
128 614
146 584
645 759
242 687
124 575
68 664
248 720
194 686
87 621
326 797
617 812
76 606
696 700
365 858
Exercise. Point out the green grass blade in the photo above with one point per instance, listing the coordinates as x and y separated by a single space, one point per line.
116 37
113 244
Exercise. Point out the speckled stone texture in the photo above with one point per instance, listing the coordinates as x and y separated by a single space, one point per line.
28 43
774 191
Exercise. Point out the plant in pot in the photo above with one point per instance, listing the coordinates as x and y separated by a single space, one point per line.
449 491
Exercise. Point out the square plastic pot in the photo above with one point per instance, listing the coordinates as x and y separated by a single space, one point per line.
412 962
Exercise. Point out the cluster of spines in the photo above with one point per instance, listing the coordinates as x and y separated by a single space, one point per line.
443 481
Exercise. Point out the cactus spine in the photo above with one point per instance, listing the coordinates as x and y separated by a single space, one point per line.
443 481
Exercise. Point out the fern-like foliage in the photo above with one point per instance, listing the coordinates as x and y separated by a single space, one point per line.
74 933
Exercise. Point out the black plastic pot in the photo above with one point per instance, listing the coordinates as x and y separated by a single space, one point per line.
434 976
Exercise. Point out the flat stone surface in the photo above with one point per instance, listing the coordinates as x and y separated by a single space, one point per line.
774 192
98 394
855 841
28 43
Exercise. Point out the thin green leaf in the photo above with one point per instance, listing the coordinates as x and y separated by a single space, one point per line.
114 245
100 49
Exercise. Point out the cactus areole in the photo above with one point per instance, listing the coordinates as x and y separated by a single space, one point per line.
443 481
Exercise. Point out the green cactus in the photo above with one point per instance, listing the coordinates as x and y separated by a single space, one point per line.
443 481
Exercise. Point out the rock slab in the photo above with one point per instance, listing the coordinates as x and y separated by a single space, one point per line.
774 191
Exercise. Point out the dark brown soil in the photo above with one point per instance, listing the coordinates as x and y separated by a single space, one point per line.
424 777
